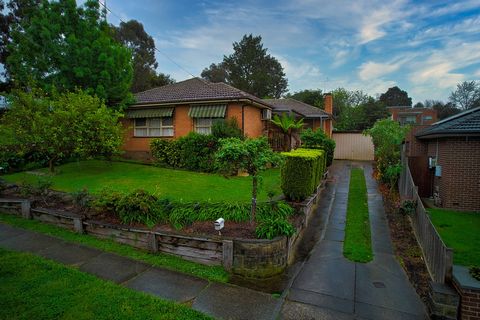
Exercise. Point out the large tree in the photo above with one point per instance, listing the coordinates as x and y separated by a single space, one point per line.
62 47
395 97
132 35
215 73
251 69
467 95
311 97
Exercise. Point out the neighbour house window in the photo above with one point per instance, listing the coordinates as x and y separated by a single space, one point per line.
408 120
427 118
154 127
204 125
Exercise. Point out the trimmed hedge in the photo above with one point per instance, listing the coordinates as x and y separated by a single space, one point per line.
302 172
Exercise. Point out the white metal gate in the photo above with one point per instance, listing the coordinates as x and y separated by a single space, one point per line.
353 146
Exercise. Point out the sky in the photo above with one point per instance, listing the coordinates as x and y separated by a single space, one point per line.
424 47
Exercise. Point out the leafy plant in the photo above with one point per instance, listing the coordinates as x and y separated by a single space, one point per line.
408 207
138 206
288 124
82 198
269 228
318 140
475 272
227 129
107 200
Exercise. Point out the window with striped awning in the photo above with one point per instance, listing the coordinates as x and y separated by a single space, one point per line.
150 113
208 111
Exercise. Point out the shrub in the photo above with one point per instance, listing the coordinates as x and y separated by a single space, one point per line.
166 152
82 198
138 206
270 228
227 129
318 140
408 207
475 272
107 200
301 173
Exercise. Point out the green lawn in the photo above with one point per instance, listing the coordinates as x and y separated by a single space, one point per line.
36 288
214 273
357 245
176 184
460 231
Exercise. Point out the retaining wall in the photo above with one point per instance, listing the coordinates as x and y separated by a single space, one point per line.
249 258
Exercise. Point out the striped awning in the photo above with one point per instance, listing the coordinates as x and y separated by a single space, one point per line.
150 113
208 111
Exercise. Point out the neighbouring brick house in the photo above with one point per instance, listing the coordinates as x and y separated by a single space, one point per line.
413 116
174 110
448 153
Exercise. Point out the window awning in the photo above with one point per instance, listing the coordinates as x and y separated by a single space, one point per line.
208 111
150 113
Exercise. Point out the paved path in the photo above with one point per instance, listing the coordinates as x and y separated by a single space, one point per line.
216 299
331 287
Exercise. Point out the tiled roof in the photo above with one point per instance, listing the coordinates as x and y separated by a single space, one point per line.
296 106
193 90
465 123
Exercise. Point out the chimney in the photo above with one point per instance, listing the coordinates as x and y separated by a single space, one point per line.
328 102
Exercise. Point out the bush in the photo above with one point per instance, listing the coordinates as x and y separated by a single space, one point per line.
194 152
138 206
227 129
107 200
302 172
82 198
475 272
318 140
272 227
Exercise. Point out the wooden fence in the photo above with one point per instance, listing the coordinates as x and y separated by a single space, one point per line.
438 257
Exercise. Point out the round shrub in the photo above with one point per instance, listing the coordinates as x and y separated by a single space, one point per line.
139 206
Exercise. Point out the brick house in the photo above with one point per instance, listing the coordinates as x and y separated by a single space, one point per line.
174 110
449 154
413 116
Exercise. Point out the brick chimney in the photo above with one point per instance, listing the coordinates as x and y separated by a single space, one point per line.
328 102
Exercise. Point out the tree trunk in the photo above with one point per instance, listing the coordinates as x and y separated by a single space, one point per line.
254 198
286 141
50 165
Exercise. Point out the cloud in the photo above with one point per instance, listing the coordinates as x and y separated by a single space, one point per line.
373 70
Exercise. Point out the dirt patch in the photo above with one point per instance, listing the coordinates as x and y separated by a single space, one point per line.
231 229
405 244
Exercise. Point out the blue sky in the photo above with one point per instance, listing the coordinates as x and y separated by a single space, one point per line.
424 47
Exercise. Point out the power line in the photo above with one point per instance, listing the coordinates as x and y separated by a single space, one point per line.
162 53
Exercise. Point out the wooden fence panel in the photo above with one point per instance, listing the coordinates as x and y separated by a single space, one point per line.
438 257
353 146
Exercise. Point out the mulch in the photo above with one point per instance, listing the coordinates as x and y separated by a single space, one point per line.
405 244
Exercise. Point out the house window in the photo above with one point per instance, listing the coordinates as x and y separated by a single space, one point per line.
408 120
427 118
153 127
204 125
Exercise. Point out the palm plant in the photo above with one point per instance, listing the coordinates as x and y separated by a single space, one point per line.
287 123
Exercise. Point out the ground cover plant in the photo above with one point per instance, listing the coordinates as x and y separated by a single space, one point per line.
460 231
213 273
96 175
36 288
357 245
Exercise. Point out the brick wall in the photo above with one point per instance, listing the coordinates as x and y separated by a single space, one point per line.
469 303
419 113
459 184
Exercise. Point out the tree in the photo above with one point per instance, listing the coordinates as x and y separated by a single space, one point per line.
60 46
445 110
288 124
215 73
132 35
311 97
60 126
372 111
251 69
250 155
467 95
395 97
419 105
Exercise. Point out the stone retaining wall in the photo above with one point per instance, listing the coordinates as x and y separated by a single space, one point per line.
249 258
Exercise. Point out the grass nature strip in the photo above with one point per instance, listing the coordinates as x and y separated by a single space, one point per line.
213 273
357 245
37 288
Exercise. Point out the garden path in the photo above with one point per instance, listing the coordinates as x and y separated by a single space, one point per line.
329 286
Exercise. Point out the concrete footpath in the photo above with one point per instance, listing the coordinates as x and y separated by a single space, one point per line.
331 287
325 286
223 301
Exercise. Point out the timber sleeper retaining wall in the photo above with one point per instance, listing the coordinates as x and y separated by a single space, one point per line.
249 258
